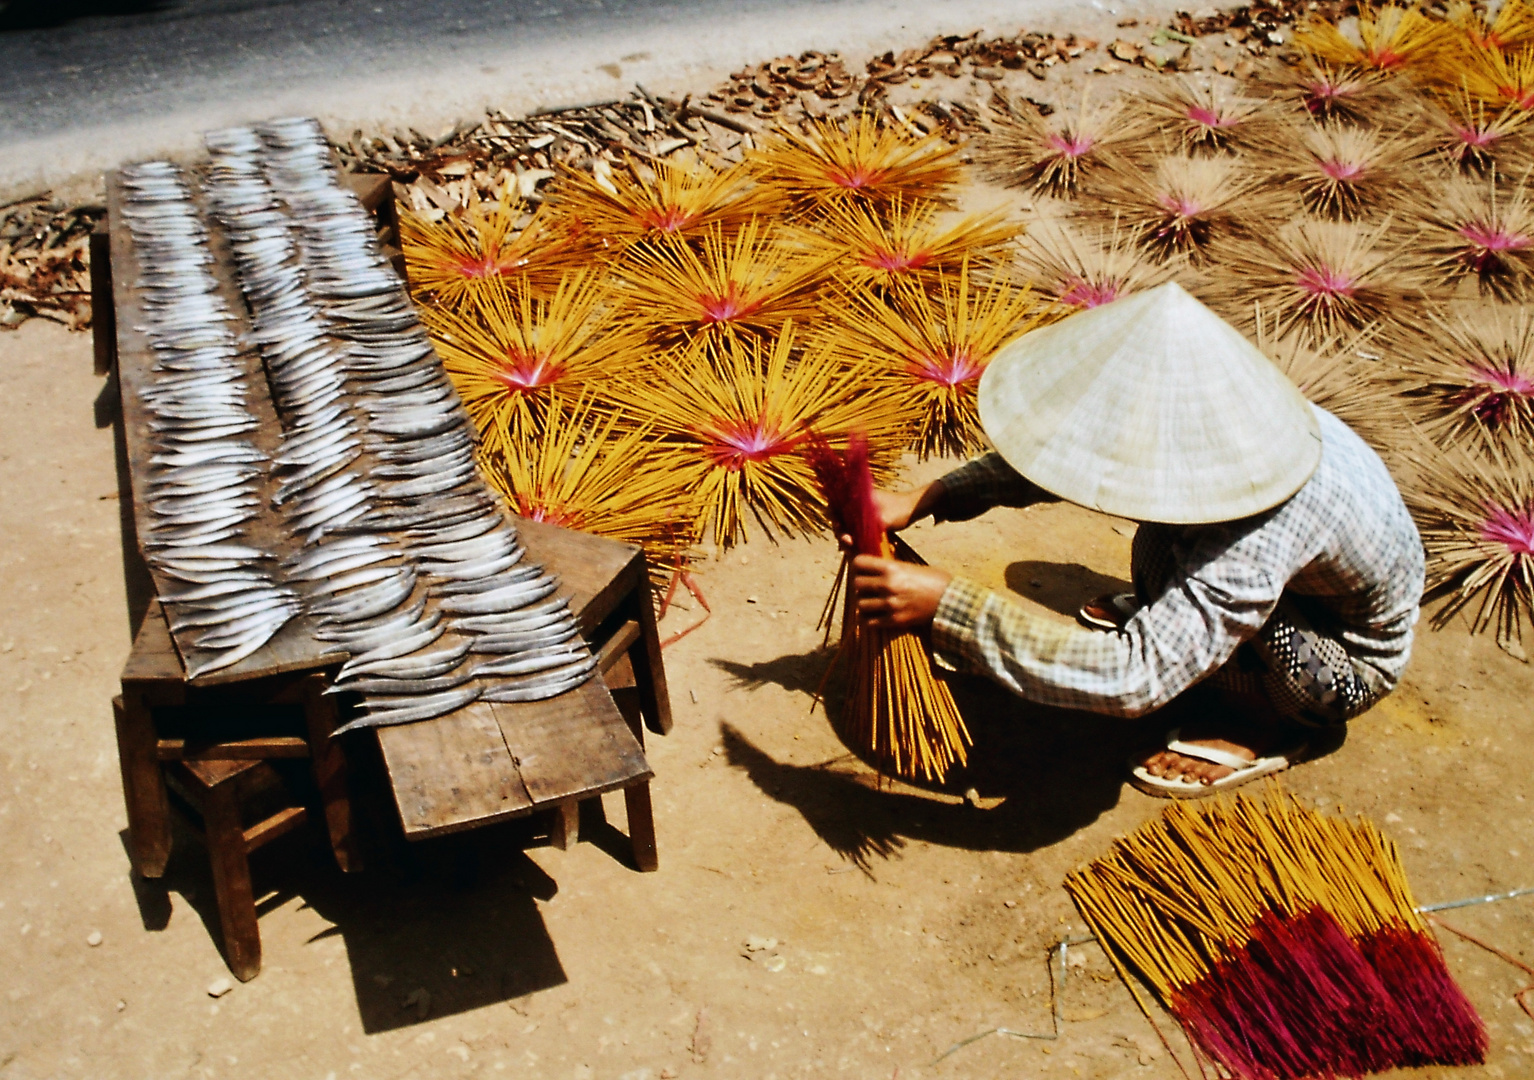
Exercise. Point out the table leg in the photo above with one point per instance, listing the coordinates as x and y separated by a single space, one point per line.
649 673
636 800
566 831
231 880
329 762
149 837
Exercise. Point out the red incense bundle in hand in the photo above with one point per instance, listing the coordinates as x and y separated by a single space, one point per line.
898 714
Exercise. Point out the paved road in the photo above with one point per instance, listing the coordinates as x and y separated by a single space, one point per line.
87 83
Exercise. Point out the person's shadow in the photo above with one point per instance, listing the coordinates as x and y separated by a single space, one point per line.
1053 770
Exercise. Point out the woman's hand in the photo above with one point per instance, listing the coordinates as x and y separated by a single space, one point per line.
897 509
893 595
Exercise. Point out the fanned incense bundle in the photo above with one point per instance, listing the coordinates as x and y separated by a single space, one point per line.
509 354
1468 376
730 417
683 197
1476 516
906 242
928 348
1082 268
1388 38
1327 275
1341 170
1051 155
1202 118
1474 231
1178 203
830 163
1335 373
1284 941
1512 27
1474 137
746 285
456 259
898 714
1328 91
580 471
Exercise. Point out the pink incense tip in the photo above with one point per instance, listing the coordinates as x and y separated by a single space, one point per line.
727 306
1210 118
1323 281
895 261
1069 146
1514 529
667 219
477 268
1474 138
856 178
1079 292
524 372
1384 58
1180 206
1342 170
950 368
1523 97
731 443
534 510
1485 242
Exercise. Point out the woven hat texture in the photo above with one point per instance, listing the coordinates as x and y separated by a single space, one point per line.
1152 408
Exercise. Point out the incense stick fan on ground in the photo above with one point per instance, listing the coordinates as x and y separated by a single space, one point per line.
898 714
1286 942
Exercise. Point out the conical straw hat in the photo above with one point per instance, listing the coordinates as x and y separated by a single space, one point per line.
1152 408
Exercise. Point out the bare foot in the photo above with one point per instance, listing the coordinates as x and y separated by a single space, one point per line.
1171 765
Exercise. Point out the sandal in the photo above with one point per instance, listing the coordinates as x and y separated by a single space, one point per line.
1109 611
1183 788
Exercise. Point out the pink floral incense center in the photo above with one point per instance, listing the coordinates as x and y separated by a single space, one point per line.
1070 146
856 177
1211 118
730 444
727 306
1321 96
484 266
535 509
1496 394
667 219
1486 243
1384 58
1323 284
895 260
1474 138
1079 292
1341 170
1512 528
1180 206
948 368
524 372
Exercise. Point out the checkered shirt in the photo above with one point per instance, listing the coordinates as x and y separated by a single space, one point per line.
1344 541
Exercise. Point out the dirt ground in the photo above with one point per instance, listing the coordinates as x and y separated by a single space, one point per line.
803 922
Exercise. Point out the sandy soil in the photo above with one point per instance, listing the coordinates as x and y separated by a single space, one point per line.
803 923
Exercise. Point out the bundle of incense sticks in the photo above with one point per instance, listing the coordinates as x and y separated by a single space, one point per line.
898 714
1286 942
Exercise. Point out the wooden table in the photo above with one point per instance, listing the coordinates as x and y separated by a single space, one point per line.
487 762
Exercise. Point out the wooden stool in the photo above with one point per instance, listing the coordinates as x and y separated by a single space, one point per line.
152 680
217 795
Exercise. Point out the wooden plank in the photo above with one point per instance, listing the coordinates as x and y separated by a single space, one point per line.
613 649
452 773
276 746
294 648
103 307
265 831
573 746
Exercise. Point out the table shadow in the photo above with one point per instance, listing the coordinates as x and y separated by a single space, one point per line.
431 928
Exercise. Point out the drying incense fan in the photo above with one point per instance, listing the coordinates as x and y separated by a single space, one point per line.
1085 268
870 249
829 163
730 415
928 348
1051 155
897 714
673 197
510 354
1387 38
1177 204
1472 230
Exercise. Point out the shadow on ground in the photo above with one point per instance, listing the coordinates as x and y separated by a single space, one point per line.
431 928
1054 771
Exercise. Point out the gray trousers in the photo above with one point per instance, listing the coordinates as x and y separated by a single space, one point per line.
1304 672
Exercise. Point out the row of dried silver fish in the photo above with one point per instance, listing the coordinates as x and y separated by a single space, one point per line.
205 474
377 463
